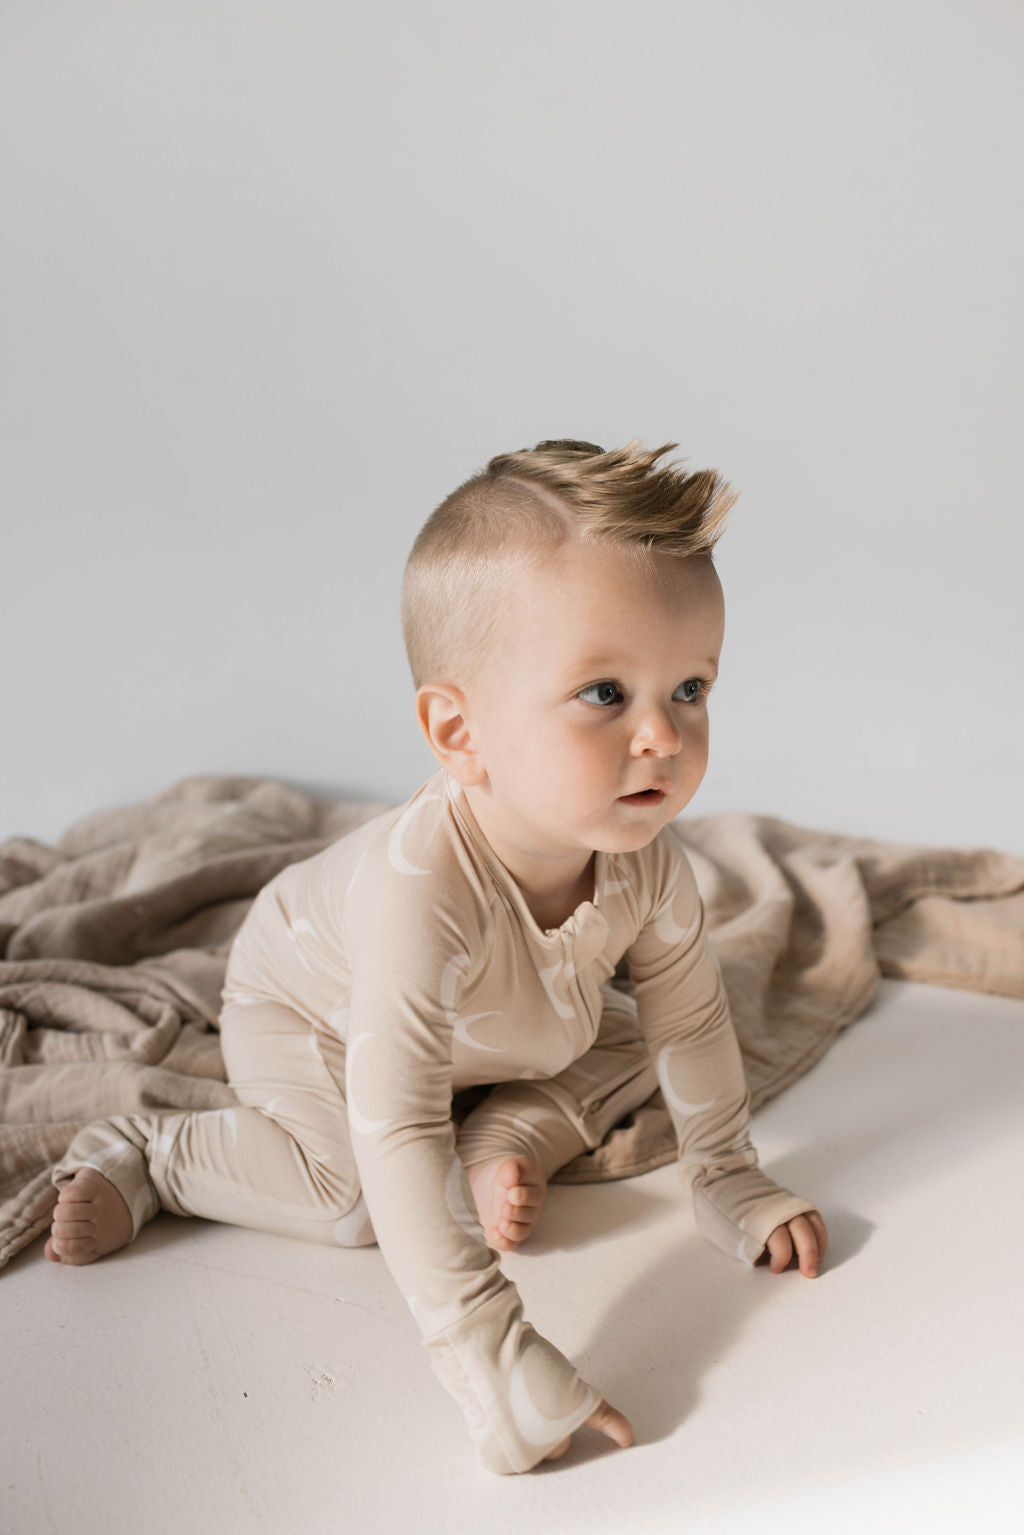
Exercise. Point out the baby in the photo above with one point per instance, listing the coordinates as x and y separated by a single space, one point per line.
563 621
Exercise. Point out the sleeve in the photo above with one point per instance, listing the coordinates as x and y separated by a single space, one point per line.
684 1014
520 1396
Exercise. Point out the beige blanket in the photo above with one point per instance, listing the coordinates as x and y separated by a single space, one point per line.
116 938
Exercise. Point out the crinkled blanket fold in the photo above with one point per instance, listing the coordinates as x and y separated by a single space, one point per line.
115 941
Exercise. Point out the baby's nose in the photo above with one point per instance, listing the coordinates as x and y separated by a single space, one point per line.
657 732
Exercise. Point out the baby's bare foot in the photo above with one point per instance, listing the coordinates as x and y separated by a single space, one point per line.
509 1194
91 1220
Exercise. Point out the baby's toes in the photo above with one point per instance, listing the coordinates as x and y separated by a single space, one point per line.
518 1172
518 1220
525 1203
63 1248
78 1250
72 1234
498 1241
514 1233
520 1216
67 1232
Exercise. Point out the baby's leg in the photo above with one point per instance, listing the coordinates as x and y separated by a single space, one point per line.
281 1161
523 1132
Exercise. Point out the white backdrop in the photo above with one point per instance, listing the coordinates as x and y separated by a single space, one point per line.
277 277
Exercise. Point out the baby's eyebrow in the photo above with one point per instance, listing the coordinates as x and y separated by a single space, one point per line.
594 663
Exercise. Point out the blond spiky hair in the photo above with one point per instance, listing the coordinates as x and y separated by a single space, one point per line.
460 574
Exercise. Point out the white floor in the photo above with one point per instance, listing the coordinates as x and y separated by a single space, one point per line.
214 1379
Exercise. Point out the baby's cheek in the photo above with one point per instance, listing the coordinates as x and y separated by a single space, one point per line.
696 746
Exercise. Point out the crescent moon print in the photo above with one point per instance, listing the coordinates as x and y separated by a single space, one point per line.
359 1122
300 925
669 931
455 1198
535 1426
460 1026
681 1105
549 976
396 857
355 1229
355 872
452 974
450 978
748 1250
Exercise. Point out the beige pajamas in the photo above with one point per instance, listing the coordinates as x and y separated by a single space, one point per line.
402 964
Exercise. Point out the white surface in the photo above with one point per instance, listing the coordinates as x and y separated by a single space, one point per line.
276 278
211 1379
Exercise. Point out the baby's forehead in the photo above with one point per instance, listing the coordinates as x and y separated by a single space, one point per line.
574 621
595 579
580 603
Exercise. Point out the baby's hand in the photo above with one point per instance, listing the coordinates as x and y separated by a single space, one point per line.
607 1420
806 1236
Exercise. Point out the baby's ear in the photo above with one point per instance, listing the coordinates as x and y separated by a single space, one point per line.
441 711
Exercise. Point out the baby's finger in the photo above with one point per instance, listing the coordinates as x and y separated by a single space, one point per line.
515 1231
608 1420
523 1194
805 1239
820 1231
780 1249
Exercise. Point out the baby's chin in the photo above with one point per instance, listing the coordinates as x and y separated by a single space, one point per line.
629 839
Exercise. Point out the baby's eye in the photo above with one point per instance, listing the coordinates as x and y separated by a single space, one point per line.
692 689
602 693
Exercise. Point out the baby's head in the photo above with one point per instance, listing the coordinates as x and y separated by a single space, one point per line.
554 573
464 573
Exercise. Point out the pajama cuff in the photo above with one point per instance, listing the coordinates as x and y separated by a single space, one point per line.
738 1211
519 1395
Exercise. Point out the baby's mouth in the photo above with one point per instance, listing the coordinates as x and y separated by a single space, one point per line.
644 797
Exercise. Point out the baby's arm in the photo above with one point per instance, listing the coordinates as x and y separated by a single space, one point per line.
684 1013
521 1397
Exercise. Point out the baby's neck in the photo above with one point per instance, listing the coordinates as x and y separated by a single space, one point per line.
551 908
552 887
